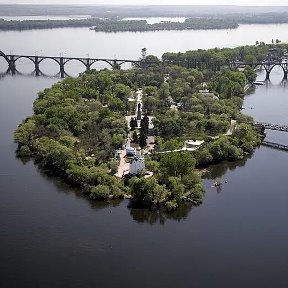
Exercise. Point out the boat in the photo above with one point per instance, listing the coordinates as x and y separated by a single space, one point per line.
258 82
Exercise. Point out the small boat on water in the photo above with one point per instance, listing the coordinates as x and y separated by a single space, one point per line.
258 82
217 183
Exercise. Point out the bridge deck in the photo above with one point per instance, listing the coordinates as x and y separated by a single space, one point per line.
269 126
275 145
71 58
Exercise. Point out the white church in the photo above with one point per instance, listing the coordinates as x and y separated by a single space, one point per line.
137 165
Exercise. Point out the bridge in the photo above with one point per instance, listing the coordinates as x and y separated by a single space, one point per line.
62 61
275 145
11 60
269 126
268 65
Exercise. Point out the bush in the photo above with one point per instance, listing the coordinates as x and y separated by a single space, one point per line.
197 193
100 192
24 151
171 205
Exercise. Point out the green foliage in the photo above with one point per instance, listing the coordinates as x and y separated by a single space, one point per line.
102 23
250 74
113 165
24 151
177 164
171 205
135 136
144 131
246 137
197 193
79 123
24 133
168 145
133 123
147 191
177 189
101 192
152 165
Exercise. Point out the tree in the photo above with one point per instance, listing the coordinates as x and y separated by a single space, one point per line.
133 123
144 131
142 138
177 188
147 191
100 192
203 157
177 164
24 133
122 91
250 59
135 136
145 124
250 74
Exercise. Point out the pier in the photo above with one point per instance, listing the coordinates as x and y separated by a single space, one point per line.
275 145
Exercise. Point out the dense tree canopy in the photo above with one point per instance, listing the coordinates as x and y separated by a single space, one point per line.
79 124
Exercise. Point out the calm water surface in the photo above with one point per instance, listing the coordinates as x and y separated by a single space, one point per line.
52 237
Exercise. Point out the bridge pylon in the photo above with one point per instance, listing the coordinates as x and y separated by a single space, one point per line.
12 64
284 66
268 66
37 69
88 64
62 64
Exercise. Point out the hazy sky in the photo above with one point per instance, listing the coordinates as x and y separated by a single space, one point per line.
155 2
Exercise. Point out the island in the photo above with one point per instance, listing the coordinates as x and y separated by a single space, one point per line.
113 18
145 134
118 24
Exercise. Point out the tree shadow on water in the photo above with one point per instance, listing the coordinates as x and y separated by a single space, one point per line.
64 188
141 215
219 170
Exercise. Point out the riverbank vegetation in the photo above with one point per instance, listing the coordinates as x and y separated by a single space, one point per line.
79 124
213 59
118 25
107 16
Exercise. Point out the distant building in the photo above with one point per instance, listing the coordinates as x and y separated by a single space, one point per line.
137 165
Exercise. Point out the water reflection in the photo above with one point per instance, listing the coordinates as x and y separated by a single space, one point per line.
34 73
284 82
138 214
160 217
268 83
63 187
219 170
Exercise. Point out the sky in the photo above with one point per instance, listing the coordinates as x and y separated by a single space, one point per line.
155 2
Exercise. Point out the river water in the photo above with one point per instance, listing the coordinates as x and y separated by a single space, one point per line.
50 236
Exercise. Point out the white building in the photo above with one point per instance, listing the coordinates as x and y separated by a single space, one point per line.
137 165
191 145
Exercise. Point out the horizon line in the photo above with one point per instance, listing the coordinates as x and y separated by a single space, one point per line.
90 4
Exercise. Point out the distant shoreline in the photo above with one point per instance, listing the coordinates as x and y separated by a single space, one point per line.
107 18
121 24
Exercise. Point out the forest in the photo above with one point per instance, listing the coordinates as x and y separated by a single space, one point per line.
79 123
117 25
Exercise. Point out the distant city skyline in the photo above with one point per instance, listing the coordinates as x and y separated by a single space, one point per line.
153 2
